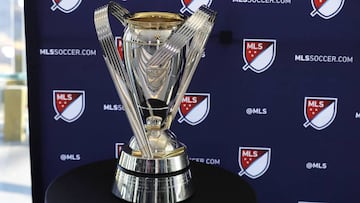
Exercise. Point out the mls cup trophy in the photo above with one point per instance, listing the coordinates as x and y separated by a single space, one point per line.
151 74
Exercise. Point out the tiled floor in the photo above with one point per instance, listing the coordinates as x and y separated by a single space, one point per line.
15 178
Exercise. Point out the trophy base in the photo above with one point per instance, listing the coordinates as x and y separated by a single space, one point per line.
167 179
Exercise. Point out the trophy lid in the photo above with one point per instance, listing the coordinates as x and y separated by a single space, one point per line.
155 20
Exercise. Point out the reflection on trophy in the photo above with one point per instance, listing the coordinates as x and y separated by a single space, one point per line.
160 54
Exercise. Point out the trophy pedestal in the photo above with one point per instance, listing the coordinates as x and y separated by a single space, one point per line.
165 180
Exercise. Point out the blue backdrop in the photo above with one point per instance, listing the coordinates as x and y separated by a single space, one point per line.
279 81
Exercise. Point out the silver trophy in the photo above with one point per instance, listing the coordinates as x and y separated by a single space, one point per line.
161 51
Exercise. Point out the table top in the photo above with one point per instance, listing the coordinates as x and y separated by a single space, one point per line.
92 183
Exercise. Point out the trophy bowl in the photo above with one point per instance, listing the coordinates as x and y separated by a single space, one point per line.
160 52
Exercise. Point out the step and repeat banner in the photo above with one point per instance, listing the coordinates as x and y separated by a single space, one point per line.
274 99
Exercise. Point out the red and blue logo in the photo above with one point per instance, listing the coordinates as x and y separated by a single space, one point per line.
194 108
254 161
258 54
319 112
66 6
193 5
68 104
326 9
118 148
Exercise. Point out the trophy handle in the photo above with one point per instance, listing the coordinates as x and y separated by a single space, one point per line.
120 13
118 71
195 52
195 30
182 36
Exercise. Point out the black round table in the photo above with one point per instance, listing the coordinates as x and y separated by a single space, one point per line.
92 183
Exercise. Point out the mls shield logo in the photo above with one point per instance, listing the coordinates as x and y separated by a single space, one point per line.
66 6
326 8
192 5
68 104
118 147
194 108
254 161
319 112
258 54
119 46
